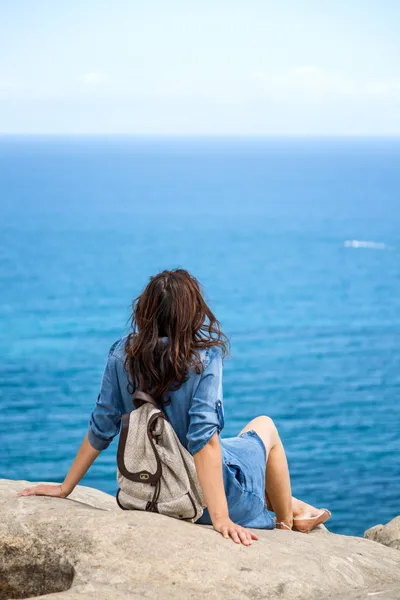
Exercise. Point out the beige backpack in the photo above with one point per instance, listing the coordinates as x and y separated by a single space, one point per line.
155 472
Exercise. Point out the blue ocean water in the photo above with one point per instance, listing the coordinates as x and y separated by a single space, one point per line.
263 223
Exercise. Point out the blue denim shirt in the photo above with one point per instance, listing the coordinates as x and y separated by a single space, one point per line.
195 411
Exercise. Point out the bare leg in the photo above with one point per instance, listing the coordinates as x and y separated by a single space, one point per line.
277 479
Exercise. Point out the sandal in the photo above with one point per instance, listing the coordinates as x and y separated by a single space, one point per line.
282 525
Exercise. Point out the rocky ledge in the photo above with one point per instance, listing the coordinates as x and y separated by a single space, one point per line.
389 534
85 548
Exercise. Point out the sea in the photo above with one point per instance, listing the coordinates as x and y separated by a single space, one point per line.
297 244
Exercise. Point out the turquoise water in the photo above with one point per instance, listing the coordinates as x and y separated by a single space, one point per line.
314 321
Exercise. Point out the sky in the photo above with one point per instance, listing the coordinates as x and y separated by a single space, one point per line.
210 67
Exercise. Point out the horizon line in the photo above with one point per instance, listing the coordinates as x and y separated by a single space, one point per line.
202 135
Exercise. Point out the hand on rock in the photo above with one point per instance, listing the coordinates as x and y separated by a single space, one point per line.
240 535
44 489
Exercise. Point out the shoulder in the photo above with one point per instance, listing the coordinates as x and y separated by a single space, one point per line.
211 356
117 350
208 356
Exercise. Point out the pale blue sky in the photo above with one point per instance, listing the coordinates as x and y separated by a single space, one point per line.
258 67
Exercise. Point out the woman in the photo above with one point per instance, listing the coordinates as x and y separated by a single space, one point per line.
175 353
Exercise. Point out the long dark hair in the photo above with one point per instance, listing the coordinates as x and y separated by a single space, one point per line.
172 307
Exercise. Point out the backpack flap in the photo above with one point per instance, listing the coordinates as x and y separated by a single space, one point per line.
137 458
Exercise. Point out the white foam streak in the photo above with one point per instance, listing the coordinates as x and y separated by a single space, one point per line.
366 244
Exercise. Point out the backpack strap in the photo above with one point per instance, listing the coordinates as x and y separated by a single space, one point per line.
139 398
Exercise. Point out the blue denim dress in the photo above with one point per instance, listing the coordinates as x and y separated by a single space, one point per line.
196 413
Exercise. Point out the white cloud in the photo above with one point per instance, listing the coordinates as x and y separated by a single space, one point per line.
384 89
6 85
7 88
94 78
307 70
311 85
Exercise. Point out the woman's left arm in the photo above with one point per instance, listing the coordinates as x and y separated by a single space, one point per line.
208 463
83 461
205 423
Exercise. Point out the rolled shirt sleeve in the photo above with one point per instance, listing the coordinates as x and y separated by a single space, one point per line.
206 411
105 420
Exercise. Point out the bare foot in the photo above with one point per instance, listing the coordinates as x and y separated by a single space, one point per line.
302 510
305 525
306 517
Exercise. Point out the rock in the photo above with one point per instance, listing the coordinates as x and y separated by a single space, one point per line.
389 534
86 548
